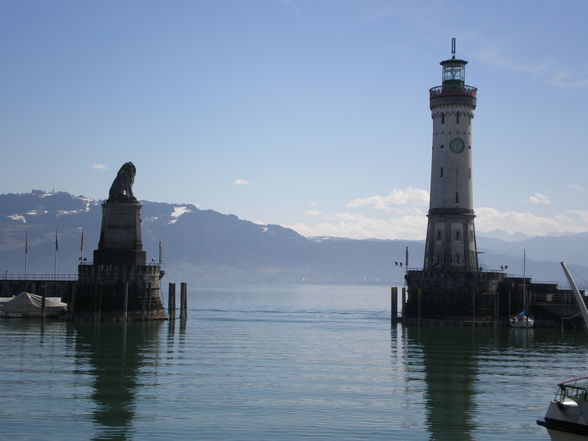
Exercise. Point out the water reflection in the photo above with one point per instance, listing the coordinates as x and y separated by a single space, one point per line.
116 353
449 363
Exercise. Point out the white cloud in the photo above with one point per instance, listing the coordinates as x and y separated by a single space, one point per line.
581 215
358 226
313 204
549 69
241 182
578 188
99 167
379 14
407 196
573 221
565 78
538 198
490 54
411 224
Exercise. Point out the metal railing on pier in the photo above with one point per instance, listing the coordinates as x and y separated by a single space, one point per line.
86 263
46 277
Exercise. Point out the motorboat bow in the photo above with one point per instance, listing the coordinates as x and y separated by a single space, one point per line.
567 415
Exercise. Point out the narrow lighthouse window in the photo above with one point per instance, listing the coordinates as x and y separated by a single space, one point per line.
457 117
457 198
441 174
442 118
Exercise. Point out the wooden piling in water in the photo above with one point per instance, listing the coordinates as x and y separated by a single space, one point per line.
171 301
73 299
183 300
403 305
95 316
393 304
497 303
419 290
126 302
144 303
100 301
474 308
43 301
149 302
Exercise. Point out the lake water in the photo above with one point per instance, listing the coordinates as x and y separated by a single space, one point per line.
280 362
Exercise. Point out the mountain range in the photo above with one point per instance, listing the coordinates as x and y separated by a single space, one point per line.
204 245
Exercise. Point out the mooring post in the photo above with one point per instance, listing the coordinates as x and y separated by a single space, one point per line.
143 303
497 308
95 302
183 300
171 302
73 298
43 301
174 306
403 303
393 304
100 301
419 305
149 302
474 308
126 302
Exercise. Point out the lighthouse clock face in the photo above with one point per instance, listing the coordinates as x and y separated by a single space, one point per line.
457 145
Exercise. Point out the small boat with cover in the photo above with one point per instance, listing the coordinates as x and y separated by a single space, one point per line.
27 305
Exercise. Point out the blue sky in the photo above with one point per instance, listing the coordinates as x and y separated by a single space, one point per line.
304 113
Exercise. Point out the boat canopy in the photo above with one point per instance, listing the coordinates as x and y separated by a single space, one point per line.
27 304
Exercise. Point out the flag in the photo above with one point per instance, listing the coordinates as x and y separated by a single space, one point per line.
26 243
56 244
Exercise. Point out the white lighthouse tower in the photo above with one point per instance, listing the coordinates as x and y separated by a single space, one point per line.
451 237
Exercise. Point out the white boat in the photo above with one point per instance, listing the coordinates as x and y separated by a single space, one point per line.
567 415
31 305
522 321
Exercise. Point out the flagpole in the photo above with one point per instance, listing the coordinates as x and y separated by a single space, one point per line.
55 257
82 247
26 252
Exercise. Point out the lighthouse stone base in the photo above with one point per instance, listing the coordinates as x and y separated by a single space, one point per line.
458 297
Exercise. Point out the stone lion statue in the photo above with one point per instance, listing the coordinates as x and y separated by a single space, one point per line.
122 186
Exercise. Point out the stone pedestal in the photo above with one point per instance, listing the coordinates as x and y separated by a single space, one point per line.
120 235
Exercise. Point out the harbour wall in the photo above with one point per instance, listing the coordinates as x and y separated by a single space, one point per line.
60 285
